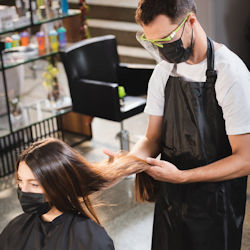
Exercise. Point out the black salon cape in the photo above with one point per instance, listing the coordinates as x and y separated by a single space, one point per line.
66 232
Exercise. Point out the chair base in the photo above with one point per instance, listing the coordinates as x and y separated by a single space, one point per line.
123 136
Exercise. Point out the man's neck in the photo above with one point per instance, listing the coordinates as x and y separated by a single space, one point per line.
200 46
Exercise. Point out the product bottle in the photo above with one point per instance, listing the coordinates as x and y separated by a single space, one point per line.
8 42
20 7
55 5
62 37
41 9
53 40
16 40
40 36
64 6
24 38
34 10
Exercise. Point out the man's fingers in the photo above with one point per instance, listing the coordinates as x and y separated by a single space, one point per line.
154 162
108 153
154 171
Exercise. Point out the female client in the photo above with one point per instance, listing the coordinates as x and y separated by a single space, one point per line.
54 184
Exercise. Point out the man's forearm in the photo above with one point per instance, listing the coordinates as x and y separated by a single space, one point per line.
231 167
146 148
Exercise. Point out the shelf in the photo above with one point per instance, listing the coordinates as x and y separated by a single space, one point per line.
27 59
23 57
37 120
71 12
33 114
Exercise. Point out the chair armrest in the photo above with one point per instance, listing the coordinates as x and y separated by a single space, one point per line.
137 65
96 98
135 77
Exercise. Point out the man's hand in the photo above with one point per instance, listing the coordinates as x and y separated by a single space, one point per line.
164 171
109 153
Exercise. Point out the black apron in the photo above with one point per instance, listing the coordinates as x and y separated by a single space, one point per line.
197 216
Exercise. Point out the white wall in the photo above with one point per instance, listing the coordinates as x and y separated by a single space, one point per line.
204 13
225 21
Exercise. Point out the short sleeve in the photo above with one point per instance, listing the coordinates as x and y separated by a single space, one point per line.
233 94
156 88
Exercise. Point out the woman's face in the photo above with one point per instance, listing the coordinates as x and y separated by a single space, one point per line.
26 180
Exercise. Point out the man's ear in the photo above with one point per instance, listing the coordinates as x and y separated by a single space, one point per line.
192 19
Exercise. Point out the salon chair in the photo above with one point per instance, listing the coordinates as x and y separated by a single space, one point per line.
94 73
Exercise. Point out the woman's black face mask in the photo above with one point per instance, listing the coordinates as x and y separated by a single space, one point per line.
33 202
175 52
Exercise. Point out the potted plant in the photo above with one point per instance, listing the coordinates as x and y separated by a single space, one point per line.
51 82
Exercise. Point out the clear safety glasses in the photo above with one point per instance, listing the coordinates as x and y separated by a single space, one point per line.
158 42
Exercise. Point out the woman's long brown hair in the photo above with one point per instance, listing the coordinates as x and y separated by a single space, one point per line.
68 179
124 164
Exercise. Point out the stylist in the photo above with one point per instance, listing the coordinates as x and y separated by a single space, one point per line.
199 120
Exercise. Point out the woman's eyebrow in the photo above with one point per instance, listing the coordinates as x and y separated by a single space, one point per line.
18 177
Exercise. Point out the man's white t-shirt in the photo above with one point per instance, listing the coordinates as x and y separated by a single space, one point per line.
232 88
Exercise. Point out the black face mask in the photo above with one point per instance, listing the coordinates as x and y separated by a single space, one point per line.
175 52
33 202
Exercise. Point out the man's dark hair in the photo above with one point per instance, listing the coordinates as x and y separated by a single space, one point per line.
147 10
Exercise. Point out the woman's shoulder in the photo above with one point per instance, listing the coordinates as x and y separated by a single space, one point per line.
16 229
21 219
86 223
91 233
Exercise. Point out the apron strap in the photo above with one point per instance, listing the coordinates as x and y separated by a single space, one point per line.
211 74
